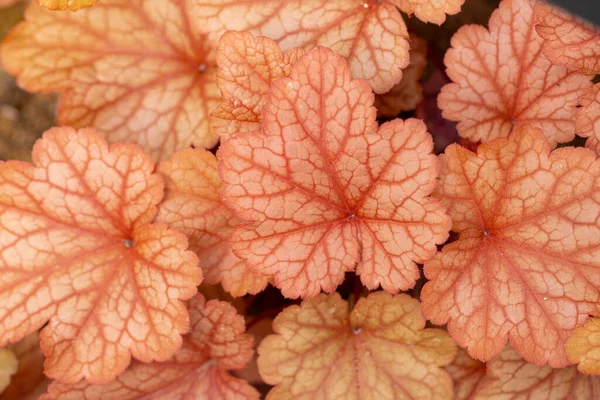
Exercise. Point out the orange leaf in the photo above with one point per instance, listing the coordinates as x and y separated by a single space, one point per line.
216 343
583 347
430 10
467 375
324 191
135 70
587 120
247 66
78 250
370 33
72 5
379 350
8 367
193 206
511 378
526 265
502 80
568 40
30 372
407 94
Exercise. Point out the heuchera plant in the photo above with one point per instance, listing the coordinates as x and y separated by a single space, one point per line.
232 208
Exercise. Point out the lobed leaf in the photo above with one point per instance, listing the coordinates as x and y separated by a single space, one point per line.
568 40
323 190
587 118
371 34
511 378
198 370
137 71
193 206
78 250
72 5
379 350
430 10
526 265
502 80
583 347
30 372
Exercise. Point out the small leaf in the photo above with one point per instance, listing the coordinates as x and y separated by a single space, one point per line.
78 250
528 249
193 206
8 367
568 40
323 190
511 378
587 118
72 5
583 347
380 350
430 10
30 373
216 343
371 34
502 80
467 375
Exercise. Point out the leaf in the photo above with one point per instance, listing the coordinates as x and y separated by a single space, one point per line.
247 66
30 372
323 191
371 34
78 250
379 350
502 80
72 5
467 375
135 70
430 10
587 118
407 94
193 206
526 265
511 378
8 367
568 40
216 343
584 345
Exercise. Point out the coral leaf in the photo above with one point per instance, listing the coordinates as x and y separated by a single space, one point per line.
193 206
527 264
430 10
78 250
502 80
380 350
407 94
467 375
372 35
30 373
587 120
323 190
512 378
216 343
247 66
569 40
135 70
583 347
72 5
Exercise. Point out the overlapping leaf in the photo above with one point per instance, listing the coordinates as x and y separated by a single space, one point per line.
247 66
502 80
512 378
371 34
217 343
583 347
430 10
78 250
8 367
323 190
193 206
467 375
527 264
568 40
380 350
30 372
587 120
72 5
136 70
407 94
